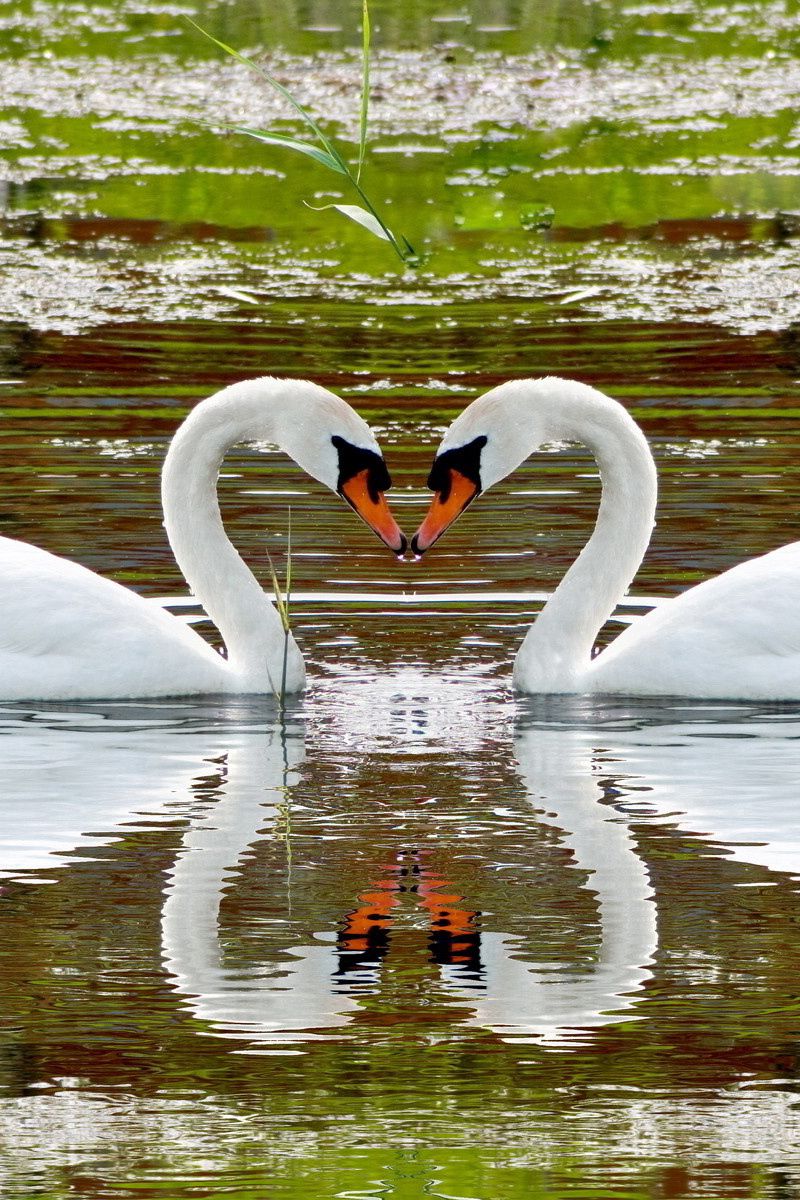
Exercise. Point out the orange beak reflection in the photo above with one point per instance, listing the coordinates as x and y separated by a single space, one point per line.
372 507
443 512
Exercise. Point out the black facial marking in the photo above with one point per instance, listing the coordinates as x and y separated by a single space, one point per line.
464 459
354 459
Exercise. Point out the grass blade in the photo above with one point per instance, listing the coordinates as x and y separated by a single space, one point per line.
288 563
280 603
328 156
286 625
279 139
409 255
361 217
273 82
362 140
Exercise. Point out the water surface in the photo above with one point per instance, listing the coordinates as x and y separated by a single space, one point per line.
417 936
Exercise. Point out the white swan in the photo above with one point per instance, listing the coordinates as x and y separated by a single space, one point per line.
734 636
66 633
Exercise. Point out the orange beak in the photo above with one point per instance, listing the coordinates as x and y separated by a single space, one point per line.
372 507
443 512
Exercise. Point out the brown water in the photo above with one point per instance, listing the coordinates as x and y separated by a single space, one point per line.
420 937
427 939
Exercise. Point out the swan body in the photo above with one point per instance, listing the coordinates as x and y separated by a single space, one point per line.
736 636
67 633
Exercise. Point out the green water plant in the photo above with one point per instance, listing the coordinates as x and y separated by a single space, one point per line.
322 149
282 602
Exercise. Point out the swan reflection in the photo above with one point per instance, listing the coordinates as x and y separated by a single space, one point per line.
560 776
438 854
74 779
295 994
488 977
725 773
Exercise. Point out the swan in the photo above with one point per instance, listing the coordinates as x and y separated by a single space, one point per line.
736 636
67 633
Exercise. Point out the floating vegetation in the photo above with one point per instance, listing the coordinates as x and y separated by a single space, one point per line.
323 150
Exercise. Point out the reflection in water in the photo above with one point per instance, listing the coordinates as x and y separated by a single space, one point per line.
318 986
583 776
560 777
454 939
721 771
729 779
431 881
76 779
254 1004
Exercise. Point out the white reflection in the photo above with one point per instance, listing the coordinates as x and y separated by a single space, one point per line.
590 770
72 780
258 1004
542 1000
306 992
731 782
726 773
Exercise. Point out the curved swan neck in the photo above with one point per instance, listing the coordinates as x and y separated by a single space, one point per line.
558 647
212 567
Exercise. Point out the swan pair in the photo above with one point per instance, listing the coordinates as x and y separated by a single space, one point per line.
67 633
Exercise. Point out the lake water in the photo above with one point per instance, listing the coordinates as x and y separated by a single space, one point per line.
417 936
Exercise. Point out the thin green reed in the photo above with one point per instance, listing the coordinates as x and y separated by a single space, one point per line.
324 151
364 118
282 603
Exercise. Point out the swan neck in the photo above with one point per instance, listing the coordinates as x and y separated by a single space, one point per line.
214 570
557 651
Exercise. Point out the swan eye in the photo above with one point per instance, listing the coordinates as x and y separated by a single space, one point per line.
355 460
464 459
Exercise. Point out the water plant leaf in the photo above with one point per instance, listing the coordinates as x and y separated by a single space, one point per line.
409 255
237 294
285 610
280 603
362 139
280 139
288 563
327 155
273 82
361 217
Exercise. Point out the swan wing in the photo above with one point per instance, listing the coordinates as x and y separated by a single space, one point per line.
736 636
69 633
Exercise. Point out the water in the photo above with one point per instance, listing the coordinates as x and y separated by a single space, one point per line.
420 936
428 930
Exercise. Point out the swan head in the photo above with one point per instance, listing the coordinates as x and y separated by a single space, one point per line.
333 444
487 441
362 479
